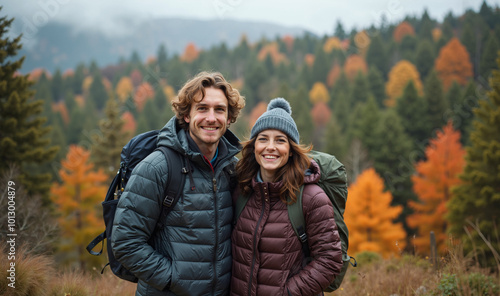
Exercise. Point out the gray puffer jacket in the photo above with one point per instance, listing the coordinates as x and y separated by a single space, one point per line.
191 255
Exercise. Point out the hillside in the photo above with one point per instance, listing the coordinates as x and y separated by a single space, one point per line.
58 45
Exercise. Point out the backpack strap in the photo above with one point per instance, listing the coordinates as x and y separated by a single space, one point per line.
240 203
175 181
296 216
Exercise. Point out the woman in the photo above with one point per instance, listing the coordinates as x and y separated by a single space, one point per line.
267 255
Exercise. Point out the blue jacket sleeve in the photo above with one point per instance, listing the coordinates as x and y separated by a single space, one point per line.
138 211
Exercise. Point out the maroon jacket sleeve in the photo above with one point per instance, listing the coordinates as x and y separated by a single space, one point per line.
324 244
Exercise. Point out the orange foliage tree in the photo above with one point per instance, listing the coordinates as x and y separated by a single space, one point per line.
333 75
354 64
273 50
288 40
319 93
61 108
321 114
257 111
191 53
403 29
453 64
309 59
399 76
369 217
124 88
432 184
143 93
77 200
129 123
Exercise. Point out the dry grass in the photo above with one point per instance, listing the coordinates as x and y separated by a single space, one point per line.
408 275
36 276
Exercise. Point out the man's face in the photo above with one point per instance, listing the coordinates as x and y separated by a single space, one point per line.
208 118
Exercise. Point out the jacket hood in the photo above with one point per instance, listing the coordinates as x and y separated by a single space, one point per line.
312 174
172 135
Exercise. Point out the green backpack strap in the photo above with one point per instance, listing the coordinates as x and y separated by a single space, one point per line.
296 216
240 203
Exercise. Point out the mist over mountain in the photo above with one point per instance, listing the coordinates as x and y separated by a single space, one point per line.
58 45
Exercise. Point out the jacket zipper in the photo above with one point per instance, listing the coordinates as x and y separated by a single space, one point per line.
216 246
255 243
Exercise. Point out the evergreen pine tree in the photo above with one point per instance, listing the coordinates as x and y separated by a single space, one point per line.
393 159
435 102
57 86
339 31
299 101
412 109
425 58
97 91
320 66
475 203
23 136
363 120
376 55
487 63
359 90
108 143
334 140
162 60
376 85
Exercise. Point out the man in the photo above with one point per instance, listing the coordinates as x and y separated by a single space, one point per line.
191 254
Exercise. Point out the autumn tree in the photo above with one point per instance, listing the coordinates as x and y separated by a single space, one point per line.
319 93
475 203
402 30
124 88
370 217
23 136
453 63
435 177
399 76
77 200
191 53
143 93
353 65
272 50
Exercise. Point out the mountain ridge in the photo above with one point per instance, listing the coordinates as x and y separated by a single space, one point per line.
62 46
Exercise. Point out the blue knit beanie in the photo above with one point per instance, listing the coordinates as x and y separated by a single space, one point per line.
278 117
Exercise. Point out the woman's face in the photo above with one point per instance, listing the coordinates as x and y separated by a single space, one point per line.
272 150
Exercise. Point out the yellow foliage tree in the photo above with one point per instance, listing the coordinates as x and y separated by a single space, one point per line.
369 217
124 88
77 200
399 76
445 160
362 41
319 93
453 64
257 111
331 44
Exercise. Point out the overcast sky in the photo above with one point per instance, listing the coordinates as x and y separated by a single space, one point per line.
318 16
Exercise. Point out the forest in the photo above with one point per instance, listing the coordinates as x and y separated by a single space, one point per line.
412 109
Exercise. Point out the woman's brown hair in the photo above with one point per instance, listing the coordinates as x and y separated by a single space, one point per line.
292 173
188 94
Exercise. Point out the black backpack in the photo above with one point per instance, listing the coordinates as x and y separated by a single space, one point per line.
132 153
333 181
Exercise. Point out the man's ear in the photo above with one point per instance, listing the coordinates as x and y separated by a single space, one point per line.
186 118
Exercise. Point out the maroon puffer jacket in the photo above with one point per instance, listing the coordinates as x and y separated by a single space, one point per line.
267 255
